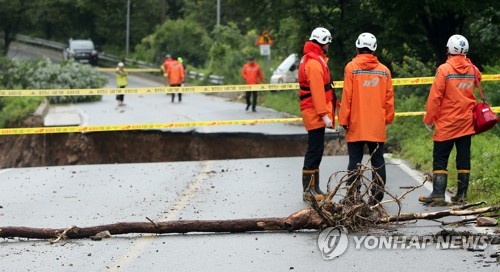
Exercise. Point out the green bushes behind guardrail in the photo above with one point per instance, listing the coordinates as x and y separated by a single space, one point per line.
41 73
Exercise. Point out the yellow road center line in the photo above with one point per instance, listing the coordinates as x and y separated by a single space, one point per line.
135 250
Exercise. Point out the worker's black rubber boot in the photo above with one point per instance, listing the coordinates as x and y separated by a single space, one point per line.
463 185
439 180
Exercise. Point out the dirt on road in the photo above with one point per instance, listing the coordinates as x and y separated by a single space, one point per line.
147 146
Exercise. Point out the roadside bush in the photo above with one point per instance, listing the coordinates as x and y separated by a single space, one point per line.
40 73
491 88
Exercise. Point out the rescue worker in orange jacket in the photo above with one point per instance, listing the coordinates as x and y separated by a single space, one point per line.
449 109
175 74
164 66
316 95
366 109
252 74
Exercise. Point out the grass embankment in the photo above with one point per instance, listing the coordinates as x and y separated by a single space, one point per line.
14 110
408 139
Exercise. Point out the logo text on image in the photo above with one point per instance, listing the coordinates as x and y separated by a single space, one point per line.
333 242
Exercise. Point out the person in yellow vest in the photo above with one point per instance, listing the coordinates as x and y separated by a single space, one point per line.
121 81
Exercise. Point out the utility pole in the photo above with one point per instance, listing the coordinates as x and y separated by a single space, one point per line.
218 12
128 29
162 11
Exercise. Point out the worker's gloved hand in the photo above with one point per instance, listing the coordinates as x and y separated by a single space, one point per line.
430 127
328 121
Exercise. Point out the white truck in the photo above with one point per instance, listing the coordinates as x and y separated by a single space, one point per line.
287 71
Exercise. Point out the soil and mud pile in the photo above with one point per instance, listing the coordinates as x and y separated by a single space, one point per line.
147 146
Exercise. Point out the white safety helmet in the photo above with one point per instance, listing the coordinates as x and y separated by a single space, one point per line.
120 64
457 45
367 40
321 35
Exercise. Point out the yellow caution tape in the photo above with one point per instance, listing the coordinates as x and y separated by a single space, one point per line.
203 89
144 70
417 113
336 84
157 126
171 125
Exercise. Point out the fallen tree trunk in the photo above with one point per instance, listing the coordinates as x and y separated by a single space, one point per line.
303 219
437 215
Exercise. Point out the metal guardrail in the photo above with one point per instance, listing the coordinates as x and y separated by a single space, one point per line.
40 42
213 79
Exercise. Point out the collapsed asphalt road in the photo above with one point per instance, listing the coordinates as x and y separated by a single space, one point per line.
149 146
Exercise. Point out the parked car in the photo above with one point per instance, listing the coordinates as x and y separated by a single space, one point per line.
287 71
83 51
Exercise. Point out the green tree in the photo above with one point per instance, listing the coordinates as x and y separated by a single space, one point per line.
429 23
180 38
12 16
226 53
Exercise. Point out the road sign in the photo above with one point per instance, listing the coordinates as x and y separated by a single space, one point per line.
265 49
264 38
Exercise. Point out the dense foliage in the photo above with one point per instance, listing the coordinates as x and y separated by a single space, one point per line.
40 73
188 28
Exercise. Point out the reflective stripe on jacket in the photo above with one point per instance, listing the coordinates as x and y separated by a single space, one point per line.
313 76
367 99
451 99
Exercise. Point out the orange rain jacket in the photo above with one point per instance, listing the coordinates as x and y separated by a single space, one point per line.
252 73
164 66
175 73
315 76
451 99
367 99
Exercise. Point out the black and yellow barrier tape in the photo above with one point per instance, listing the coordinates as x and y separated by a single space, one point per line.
165 126
204 89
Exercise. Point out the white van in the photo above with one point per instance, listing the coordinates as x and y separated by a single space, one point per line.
287 71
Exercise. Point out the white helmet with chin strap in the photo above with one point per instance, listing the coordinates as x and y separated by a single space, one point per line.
367 40
321 35
457 45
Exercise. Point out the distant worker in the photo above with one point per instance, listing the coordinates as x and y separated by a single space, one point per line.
367 107
252 73
121 81
175 75
164 66
316 95
449 109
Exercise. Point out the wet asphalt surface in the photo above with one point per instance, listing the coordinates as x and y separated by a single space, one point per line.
59 197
